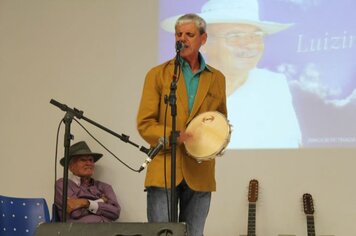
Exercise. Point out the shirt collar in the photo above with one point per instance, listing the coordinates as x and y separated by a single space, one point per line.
203 65
74 178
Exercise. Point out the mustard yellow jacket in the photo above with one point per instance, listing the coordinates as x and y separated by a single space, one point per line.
211 96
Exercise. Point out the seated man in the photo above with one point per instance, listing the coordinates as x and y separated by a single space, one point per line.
89 200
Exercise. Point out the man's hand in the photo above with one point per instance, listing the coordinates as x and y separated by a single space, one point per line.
105 199
76 203
184 136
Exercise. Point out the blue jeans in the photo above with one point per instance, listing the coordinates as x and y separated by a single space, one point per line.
193 207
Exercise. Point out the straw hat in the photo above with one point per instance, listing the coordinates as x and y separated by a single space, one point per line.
231 11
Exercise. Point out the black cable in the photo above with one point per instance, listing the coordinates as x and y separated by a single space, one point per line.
165 161
165 153
54 213
122 162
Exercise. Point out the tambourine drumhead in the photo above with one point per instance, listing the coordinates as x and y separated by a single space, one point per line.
211 134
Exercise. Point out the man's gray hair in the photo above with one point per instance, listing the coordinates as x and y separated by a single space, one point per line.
191 17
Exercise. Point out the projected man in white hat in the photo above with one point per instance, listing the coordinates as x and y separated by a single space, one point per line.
259 103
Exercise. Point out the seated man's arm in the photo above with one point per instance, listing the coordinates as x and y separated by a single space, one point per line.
106 206
109 206
76 207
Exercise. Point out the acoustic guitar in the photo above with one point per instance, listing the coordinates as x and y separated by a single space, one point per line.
252 199
309 212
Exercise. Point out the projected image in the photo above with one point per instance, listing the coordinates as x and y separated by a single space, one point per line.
289 68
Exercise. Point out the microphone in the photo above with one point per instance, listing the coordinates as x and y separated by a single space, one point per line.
152 153
61 106
179 46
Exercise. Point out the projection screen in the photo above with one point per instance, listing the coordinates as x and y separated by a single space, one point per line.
289 64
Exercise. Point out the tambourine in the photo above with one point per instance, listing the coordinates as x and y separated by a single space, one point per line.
211 134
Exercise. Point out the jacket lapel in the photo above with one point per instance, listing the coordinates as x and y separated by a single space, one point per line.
203 88
181 93
182 96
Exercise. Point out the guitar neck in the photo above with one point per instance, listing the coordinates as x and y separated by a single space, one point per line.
310 225
251 225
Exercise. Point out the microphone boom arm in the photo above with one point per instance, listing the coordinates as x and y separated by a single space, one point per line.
79 114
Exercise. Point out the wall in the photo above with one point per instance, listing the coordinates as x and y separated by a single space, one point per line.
93 55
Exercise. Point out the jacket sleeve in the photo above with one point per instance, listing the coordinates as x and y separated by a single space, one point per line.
152 104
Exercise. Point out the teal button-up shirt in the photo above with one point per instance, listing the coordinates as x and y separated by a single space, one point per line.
191 79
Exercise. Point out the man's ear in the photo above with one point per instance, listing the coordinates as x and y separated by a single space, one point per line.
70 164
204 38
202 47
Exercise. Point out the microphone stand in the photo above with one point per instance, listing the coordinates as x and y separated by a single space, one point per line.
68 118
70 114
173 140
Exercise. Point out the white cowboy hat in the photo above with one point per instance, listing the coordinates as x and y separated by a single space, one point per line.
231 11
